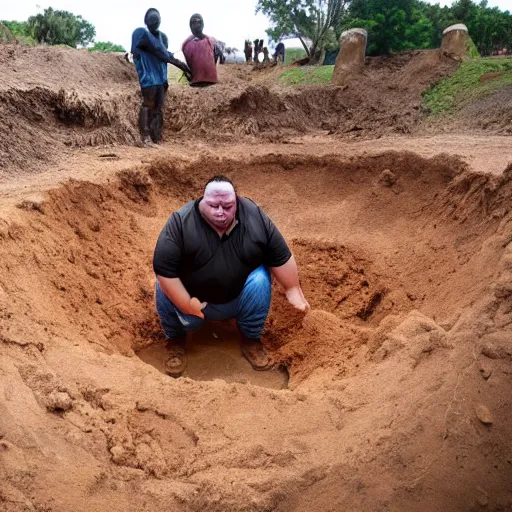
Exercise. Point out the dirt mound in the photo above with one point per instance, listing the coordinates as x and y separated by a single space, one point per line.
55 98
406 262
386 99
75 98
63 68
490 113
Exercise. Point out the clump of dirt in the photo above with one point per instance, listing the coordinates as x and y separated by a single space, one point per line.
406 263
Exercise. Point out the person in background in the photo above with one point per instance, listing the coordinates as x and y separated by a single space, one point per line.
265 55
258 48
150 56
199 51
248 51
279 53
218 53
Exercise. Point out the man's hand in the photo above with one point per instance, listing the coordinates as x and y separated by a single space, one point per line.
296 298
195 307
180 65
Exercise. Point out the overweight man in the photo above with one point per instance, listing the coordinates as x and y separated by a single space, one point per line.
213 261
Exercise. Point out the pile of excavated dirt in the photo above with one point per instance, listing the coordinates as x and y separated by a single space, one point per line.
400 374
385 99
56 98
52 99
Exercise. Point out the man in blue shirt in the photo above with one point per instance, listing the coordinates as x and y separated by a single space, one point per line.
150 56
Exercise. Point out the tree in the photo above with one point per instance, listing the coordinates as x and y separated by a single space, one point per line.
101 46
61 27
6 34
463 10
311 21
490 29
20 31
393 25
232 51
440 18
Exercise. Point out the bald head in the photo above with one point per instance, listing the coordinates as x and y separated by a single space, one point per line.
218 205
221 189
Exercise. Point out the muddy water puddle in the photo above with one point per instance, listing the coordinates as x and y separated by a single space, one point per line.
214 353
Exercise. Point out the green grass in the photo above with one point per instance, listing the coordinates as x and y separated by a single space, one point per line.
307 75
293 54
175 75
465 85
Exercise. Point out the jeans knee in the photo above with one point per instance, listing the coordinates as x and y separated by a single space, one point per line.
260 278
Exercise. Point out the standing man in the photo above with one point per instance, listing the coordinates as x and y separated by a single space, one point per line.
150 56
248 51
213 260
199 51
279 53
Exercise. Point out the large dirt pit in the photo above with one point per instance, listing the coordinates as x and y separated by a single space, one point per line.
399 377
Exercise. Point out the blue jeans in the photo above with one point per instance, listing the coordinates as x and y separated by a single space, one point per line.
250 309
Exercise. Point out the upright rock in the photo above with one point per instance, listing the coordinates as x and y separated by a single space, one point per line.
455 42
352 54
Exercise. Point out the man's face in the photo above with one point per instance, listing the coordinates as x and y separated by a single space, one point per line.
196 26
153 21
218 206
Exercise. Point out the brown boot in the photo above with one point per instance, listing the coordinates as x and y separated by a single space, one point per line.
176 361
255 353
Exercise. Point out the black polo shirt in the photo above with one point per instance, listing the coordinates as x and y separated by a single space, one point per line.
212 268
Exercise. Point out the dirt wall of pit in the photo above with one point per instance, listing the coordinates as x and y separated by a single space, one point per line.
406 263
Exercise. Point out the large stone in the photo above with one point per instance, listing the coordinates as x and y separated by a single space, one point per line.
455 42
352 54
484 414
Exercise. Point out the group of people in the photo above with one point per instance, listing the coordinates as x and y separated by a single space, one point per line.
253 51
151 57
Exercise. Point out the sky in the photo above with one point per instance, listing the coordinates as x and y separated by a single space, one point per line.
231 21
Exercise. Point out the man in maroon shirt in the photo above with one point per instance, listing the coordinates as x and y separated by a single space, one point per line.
199 51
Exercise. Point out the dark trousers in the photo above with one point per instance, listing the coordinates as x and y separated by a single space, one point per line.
151 119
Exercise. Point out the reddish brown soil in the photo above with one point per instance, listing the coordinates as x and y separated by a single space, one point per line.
400 374
59 103
50 100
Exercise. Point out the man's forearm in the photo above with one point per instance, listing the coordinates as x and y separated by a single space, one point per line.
175 292
179 64
155 49
287 275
